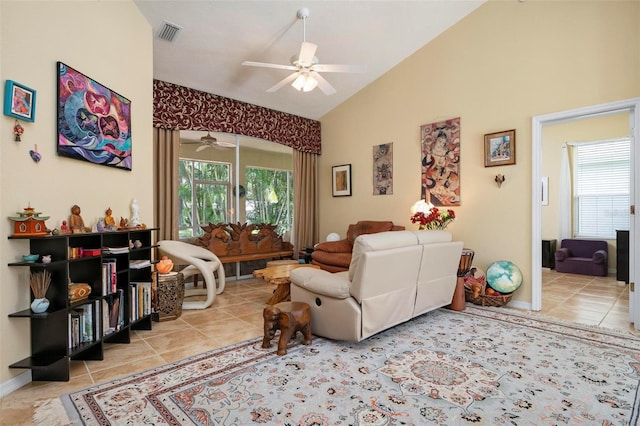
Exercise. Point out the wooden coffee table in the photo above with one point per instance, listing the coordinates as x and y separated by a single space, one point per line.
279 276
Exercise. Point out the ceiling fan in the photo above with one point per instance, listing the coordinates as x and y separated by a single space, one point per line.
208 141
306 66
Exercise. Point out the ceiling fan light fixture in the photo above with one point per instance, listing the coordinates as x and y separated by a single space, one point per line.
304 82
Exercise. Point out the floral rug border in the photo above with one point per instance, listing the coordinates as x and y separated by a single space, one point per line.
249 351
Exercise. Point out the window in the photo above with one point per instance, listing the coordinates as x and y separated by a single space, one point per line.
602 173
270 197
204 194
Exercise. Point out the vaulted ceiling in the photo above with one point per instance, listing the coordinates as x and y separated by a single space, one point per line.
217 36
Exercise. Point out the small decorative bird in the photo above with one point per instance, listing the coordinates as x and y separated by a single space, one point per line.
499 179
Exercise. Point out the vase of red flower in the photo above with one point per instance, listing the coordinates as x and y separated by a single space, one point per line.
434 218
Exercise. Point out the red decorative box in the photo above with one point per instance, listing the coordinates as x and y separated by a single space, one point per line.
91 252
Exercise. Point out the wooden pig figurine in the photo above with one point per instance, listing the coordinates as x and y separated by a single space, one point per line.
288 317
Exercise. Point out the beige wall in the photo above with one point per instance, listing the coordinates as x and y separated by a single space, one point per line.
498 67
110 42
553 138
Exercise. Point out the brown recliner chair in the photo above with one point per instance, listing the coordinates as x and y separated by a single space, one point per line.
335 256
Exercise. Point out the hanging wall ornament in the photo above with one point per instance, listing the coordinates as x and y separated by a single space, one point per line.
18 130
35 155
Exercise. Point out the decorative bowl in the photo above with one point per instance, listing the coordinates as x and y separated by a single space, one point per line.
30 257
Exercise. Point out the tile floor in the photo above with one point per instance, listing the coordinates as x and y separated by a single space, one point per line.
238 316
584 299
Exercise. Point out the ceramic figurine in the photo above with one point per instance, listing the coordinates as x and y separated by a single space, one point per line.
109 221
124 223
135 213
46 258
100 225
165 265
64 228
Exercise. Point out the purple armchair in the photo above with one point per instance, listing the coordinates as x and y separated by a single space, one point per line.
587 257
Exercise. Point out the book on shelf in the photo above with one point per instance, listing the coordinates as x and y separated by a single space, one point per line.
140 299
74 329
139 264
109 276
82 327
115 250
113 313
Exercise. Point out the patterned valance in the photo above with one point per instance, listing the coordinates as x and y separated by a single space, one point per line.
181 108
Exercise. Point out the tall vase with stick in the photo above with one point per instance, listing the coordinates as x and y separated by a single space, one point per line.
39 282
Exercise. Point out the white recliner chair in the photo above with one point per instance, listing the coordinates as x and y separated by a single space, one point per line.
200 261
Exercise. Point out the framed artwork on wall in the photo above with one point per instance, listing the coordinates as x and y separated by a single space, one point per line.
500 148
383 169
341 180
440 144
94 122
19 101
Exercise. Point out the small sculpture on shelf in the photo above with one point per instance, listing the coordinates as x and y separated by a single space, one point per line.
29 222
64 228
109 221
165 265
75 221
124 223
135 214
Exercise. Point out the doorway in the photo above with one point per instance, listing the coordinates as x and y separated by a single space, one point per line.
632 108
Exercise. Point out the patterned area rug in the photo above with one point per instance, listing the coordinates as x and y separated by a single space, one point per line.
480 366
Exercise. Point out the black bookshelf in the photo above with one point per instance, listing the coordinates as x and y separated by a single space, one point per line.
55 336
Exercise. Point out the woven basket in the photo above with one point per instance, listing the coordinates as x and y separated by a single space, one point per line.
486 300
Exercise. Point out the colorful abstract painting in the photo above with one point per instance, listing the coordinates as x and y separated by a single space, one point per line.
383 169
94 122
441 162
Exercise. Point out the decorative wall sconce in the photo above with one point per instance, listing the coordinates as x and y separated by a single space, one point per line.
499 179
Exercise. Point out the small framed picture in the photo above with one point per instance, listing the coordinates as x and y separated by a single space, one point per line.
500 148
341 180
19 101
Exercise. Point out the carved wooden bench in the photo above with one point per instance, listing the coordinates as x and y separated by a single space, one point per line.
235 242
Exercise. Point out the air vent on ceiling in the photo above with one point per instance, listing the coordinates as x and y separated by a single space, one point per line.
168 31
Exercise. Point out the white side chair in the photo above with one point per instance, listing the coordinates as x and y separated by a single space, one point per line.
200 261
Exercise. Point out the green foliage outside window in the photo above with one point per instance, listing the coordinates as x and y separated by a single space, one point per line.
269 197
203 192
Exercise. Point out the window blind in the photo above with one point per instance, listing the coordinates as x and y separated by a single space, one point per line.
602 173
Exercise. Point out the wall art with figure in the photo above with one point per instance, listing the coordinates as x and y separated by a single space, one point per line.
383 169
441 162
94 122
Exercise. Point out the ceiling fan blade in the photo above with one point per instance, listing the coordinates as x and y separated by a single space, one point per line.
284 82
340 68
202 147
323 84
267 65
307 52
224 145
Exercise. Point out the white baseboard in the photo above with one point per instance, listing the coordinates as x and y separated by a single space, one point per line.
15 383
519 305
